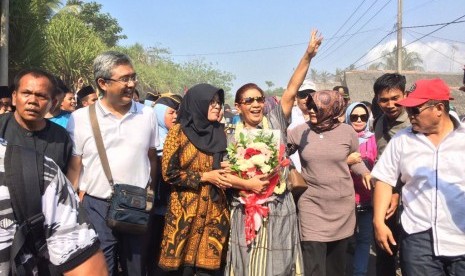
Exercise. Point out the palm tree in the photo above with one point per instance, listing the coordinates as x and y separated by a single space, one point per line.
411 61
325 76
314 75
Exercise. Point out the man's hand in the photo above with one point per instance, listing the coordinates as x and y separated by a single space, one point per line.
354 158
384 237
393 205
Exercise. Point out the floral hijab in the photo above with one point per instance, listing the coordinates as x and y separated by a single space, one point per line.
329 107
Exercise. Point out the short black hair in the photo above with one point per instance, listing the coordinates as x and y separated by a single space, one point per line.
37 72
389 81
61 86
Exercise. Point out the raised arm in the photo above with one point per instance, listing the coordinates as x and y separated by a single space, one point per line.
287 100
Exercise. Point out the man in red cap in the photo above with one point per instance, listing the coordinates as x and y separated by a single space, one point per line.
429 158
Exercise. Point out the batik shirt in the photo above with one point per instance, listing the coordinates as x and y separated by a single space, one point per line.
70 238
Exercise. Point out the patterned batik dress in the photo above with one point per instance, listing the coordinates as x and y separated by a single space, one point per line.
197 220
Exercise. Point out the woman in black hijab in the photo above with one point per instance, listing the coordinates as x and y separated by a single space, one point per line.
197 219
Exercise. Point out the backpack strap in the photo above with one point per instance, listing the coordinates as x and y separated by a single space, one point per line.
22 179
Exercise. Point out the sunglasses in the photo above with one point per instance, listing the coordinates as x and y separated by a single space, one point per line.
363 118
250 100
414 111
302 94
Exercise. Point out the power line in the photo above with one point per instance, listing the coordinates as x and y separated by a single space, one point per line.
432 48
368 21
379 42
347 20
442 27
438 37
324 50
266 48
432 25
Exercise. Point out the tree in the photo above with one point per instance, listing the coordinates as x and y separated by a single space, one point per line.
102 23
269 84
339 75
69 54
156 71
314 75
411 61
325 77
28 19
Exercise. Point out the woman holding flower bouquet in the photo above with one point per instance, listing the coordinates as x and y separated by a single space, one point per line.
326 208
197 219
264 231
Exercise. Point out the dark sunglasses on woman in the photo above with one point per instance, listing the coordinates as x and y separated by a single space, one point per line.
250 100
363 118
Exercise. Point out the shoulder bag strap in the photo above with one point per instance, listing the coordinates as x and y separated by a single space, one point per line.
99 142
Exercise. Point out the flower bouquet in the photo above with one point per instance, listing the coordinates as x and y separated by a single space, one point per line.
258 152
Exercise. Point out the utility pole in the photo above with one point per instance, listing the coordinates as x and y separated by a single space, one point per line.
4 30
399 36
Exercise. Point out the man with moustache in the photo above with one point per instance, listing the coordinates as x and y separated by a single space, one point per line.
129 133
34 94
428 157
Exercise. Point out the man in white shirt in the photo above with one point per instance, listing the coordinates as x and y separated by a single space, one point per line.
129 132
429 158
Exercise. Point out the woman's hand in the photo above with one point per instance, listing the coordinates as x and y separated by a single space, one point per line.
258 184
225 165
315 42
217 178
354 158
367 181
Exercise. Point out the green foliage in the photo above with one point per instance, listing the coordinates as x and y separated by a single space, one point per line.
156 71
103 24
28 19
66 39
71 48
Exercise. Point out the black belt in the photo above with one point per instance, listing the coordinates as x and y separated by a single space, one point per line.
98 198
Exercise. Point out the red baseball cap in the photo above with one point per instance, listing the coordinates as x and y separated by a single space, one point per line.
425 90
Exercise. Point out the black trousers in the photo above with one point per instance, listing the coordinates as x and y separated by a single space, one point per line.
324 258
191 271
385 263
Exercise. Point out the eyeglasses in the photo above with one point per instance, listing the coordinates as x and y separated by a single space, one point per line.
125 80
250 100
354 117
414 111
214 102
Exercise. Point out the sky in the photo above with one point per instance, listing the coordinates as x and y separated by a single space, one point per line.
263 40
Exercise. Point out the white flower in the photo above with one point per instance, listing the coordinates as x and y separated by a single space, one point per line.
258 160
265 168
244 164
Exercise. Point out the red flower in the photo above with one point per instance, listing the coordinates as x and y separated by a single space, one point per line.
249 152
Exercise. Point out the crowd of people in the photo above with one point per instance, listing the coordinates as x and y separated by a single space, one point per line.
386 170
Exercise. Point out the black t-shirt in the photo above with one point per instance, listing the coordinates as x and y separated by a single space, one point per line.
52 141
